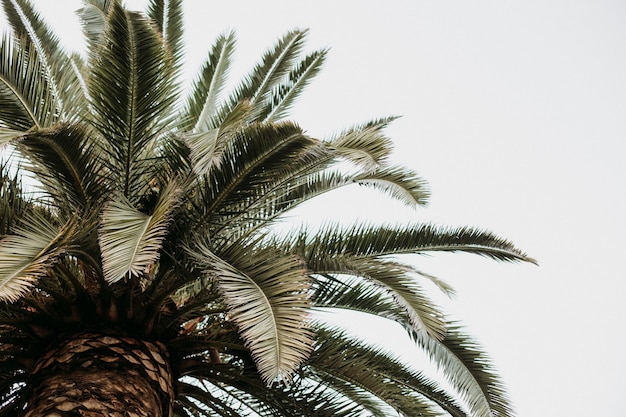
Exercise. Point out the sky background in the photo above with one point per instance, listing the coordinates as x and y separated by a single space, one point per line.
514 111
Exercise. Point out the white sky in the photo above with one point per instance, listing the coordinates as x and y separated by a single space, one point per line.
514 111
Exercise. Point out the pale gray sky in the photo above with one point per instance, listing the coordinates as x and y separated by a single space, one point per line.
514 111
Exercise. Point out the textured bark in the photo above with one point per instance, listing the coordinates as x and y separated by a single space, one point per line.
101 375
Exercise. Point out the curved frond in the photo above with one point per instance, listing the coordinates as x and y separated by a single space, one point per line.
364 145
375 241
93 17
394 279
267 295
401 184
26 255
130 240
206 149
470 372
26 98
252 149
27 23
374 370
65 163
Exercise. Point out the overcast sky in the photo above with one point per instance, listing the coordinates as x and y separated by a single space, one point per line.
514 111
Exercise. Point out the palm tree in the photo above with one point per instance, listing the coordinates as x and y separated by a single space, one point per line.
145 277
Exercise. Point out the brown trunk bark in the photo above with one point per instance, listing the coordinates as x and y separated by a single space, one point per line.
99 375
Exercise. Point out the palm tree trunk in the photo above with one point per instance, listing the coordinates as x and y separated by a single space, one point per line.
101 375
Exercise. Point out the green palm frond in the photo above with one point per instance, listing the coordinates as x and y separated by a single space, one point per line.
305 396
168 16
395 281
374 241
27 23
253 150
132 95
9 135
27 253
93 17
206 149
276 63
202 106
267 294
376 371
365 145
353 293
154 221
469 371
285 94
26 99
130 240
65 163
399 183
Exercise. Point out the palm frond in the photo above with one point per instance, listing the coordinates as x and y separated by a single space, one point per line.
130 240
267 294
65 163
275 64
206 149
202 105
27 23
395 281
469 371
9 135
168 16
26 98
27 253
353 293
285 94
374 370
375 241
93 18
399 183
364 145
252 150
132 95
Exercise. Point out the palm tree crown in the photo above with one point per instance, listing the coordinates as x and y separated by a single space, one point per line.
150 249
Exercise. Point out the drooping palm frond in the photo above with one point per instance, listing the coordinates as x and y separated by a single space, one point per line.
470 371
130 240
401 184
28 24
25 96
93 17
375 241
365 145
377 372
25 255
206 149
66 165
253 149
267 294
395 280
